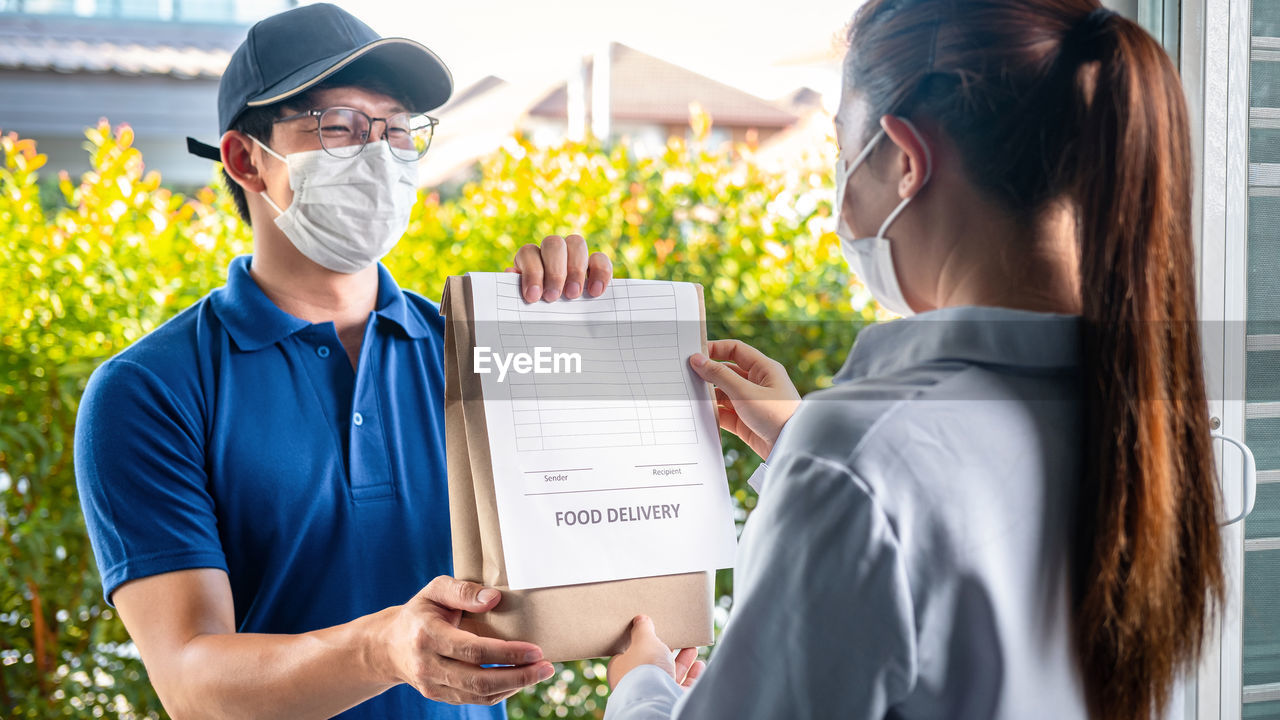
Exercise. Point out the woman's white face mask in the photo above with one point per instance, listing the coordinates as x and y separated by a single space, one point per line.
870 258
346 214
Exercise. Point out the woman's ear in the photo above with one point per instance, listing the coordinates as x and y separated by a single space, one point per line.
237 160
914 158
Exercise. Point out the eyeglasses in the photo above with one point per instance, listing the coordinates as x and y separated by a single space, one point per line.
345 131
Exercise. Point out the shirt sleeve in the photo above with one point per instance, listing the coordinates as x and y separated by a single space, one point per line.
823 622
140 472
646 693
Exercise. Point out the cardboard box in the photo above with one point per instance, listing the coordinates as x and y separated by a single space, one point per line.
572 622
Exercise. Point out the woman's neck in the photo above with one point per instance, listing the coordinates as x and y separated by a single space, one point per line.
1002 263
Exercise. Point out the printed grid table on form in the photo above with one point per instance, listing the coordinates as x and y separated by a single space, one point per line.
630 334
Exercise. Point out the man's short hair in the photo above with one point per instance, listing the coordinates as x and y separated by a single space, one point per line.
260 121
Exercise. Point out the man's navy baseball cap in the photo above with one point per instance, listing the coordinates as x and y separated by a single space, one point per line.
293 51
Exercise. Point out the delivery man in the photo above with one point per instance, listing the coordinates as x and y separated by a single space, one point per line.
263 477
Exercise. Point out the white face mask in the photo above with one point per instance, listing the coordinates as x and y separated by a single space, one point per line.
346 214
871 258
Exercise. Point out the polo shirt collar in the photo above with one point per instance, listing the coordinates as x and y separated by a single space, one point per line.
393 306
255 322
978 335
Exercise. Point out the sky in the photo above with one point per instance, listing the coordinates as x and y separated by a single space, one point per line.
767 48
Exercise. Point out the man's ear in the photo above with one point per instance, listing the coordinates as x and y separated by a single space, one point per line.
237 160
914 158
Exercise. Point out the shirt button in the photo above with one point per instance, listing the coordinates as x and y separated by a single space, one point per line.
323 351
358 419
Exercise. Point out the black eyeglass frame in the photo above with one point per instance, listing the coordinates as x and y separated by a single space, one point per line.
432 122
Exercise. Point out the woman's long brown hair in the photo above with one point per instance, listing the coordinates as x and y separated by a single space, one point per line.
1052 101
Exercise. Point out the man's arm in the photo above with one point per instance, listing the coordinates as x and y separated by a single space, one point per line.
183 624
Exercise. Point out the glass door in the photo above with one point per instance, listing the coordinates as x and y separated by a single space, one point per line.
1260 694
1229 57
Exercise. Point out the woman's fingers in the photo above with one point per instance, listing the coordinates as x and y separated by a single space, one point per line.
695 671
736 369
720 375
741 354
684 661
722 400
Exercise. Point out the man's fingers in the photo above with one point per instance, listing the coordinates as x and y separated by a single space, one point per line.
480 684
529 264
554 267
471 649
576 272
460 594
599 273
720 375
496 698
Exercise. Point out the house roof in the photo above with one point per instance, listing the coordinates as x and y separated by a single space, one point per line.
475 123
134 47
648 90
478 89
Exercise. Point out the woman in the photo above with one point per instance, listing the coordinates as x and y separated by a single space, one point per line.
1006 507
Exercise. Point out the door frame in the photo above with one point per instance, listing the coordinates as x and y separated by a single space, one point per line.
1213 58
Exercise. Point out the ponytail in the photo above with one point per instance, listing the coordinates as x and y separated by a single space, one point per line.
1148 566
1053 101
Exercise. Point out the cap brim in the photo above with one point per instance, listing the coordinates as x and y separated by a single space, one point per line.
420 73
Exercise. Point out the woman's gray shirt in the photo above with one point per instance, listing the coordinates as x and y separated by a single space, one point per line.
908 557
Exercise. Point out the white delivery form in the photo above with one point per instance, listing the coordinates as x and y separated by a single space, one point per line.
605 448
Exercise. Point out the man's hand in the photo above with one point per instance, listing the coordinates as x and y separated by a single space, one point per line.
426 649
754 396
561 266
646 649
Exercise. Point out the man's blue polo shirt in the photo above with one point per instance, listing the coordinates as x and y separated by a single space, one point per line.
239 437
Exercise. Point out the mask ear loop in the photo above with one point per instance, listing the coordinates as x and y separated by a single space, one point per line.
846 171
871 145
928 173
277 156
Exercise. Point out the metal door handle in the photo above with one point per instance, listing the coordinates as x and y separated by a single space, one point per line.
1249 479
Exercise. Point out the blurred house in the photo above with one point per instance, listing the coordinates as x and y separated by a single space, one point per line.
154 64
808 143
636 97
477 120
647 100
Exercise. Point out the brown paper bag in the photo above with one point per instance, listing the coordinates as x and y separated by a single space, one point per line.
572 622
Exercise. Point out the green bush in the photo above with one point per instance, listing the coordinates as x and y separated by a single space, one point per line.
88 272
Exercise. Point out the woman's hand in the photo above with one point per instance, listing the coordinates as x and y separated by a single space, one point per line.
754 396
646 649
